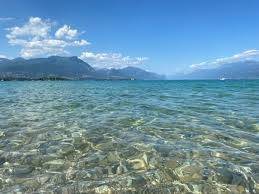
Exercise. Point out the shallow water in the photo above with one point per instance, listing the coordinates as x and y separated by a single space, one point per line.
126 136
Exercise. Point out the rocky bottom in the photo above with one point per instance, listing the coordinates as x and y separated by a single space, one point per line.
102 165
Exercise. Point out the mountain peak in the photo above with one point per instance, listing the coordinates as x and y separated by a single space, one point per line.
19 59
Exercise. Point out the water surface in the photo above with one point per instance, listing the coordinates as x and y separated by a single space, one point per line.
126 136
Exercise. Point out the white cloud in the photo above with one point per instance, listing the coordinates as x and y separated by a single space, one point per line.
246 55
3 56
66 32
35 27
35 38
111 60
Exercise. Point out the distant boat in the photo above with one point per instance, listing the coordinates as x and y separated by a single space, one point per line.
222 79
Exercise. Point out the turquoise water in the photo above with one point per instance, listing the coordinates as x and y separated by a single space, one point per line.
126 136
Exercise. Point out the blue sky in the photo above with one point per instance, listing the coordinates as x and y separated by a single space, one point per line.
161 36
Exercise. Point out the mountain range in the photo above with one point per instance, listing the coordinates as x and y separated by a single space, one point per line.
73 68
237 70
68 68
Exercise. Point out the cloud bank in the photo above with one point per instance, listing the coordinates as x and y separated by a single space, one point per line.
35 38
111 60
243 56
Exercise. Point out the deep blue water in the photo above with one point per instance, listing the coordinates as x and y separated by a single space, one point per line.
153 136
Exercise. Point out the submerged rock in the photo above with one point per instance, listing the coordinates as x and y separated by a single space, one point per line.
21 171
139 164
238 176
172 164
2 160
113 157
42 179
121 169
84 175
66 149
57 178
54 165
2 134
189 172
102 189
138 181
31 185
255 127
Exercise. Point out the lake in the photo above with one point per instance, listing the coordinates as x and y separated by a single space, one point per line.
129 136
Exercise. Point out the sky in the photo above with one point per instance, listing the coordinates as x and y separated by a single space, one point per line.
163 36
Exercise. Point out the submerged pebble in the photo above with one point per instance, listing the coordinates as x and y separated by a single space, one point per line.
22 171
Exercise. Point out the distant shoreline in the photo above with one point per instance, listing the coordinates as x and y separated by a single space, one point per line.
60 79
115 79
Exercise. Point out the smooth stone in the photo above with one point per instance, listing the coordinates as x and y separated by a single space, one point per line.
54 164
225 176
66 148
138 181
164 150
107 146
21 171
113 157
94 158
172 164
31 159
2 160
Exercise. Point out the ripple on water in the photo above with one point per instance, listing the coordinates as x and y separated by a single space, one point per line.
104 137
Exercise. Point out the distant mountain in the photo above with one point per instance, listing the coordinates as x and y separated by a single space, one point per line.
69 67
237 70
56 67
129 73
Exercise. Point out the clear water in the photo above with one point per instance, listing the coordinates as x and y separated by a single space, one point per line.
127 136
